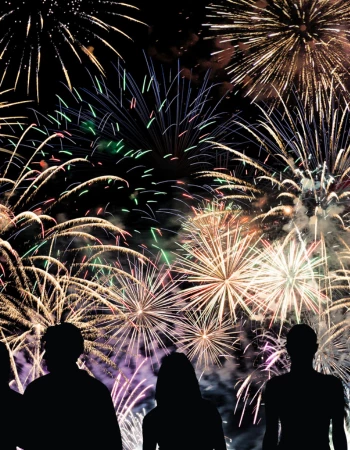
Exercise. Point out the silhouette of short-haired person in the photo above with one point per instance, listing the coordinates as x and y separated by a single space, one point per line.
304 403
182 419
68 409
11 405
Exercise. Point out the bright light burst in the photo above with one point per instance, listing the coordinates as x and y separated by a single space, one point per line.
302 185
131 431
38 292
219 262
206 340
332 357
35 30
149 312
289 280
284 42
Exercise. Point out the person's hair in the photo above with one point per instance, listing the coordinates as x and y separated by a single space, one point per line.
66 337
5 365
177 382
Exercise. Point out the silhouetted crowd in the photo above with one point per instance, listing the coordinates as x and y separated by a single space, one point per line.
68 409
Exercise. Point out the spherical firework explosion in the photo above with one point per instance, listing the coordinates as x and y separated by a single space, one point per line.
166 116
218 260
205 340
289 280
283 43
149 311
35 30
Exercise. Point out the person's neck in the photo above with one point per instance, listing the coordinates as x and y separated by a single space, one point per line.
301 368
67 369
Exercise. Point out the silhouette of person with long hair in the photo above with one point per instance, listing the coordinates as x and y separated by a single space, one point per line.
182 419
68 409
11 405
304 402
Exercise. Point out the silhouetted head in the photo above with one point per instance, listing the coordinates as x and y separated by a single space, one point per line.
5 366
301 344
177 382
64 344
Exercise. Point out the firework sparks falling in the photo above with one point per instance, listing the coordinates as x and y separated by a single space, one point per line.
126 393
33 31
166 116
270 360
53 273
284 42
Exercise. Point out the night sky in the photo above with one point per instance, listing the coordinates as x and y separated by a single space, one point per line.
175 37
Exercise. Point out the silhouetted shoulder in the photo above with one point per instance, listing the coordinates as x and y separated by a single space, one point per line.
81 377
317 377
276 382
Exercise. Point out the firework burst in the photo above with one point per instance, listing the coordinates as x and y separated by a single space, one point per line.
288 280
205 340
33 31
149 312
166 116
219 262
302 184
51 269
283 43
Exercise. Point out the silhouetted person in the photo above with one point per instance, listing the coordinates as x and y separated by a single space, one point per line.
182 419
11 405
304 402
68 409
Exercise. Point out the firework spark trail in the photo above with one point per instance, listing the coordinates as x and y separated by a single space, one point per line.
149 312
131 431
300 183
206 340
272 360
283 43
54 273
33 31
288 280
126 393
165 116
219 261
